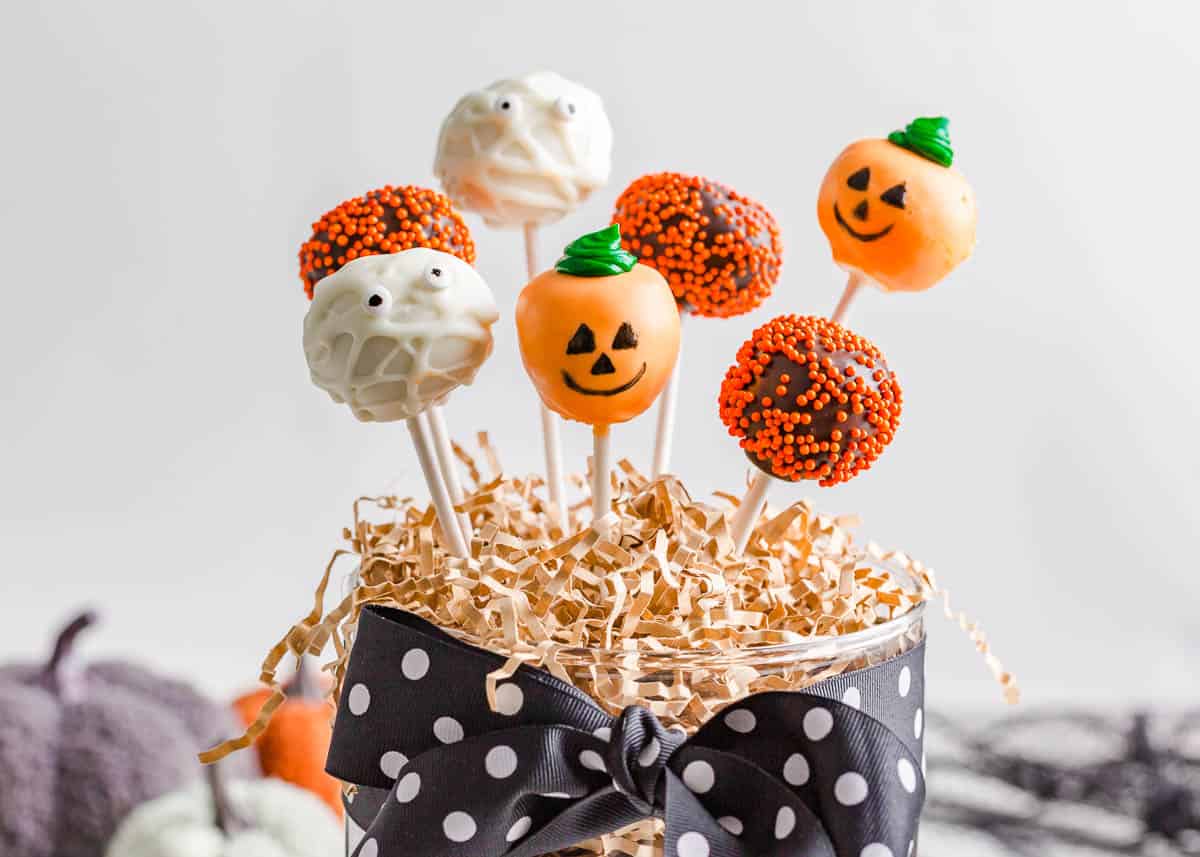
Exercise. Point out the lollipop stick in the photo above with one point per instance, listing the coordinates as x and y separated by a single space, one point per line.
853 283
666 414
601 468
445 458
437 489
747 513
551 442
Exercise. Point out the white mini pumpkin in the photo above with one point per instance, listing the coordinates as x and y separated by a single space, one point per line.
264 818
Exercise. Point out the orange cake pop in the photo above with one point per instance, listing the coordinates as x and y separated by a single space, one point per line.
387 220
810 400
720 251
896 211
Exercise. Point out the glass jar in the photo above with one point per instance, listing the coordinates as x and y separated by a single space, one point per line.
682 689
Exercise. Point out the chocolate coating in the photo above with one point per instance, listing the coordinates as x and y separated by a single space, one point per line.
810 400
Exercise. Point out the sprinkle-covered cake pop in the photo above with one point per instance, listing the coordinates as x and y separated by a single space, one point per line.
720 251
387 220
525 151
599 334
810 400
896 210
392 334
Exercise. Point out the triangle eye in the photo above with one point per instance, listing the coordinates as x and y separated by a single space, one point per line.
583 342
625 337
894 196
860 179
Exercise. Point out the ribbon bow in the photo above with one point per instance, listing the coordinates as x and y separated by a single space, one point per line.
833 770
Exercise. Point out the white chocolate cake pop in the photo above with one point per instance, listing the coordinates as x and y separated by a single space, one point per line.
525 151
390 335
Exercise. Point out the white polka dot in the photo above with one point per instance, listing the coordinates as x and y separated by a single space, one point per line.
852 697
692 844
818 723
458 827
519 829
876 849
912 846
785 822
359 699
591 760
509 699
924 770
741 720
408 787
650 753
370 848
699 776
905 681
391 762
557 795
603 733
795 770
732 824
500 762
918 723
447 730
850 789
907 775
414 664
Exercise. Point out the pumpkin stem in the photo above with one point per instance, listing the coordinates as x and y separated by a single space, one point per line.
304 685
225 817
63 644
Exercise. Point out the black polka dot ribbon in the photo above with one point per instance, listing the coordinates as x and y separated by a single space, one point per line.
833 769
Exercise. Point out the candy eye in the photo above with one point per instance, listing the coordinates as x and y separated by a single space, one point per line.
565 108
894 196
625 338
506 105
583 342
860 179
437 276
378 302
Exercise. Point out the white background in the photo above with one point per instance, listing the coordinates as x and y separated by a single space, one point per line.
166 459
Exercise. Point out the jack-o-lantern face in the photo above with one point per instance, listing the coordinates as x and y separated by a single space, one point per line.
599 349
900 218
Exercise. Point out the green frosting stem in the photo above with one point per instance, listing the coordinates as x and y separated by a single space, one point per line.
597 254
929 137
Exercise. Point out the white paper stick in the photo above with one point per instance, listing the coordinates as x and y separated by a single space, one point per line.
449 468
601 472
666 414
437 489
853 282
551 440
748 512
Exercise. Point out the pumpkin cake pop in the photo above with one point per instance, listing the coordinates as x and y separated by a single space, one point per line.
599 337
525 151
808 399
387 220
895 211
719 250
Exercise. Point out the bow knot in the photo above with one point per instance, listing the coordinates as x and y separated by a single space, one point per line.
833 770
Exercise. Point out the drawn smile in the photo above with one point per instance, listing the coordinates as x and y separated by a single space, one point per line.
861 236
574 385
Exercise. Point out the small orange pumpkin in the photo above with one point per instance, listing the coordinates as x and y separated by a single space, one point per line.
599 334
896 210
295 742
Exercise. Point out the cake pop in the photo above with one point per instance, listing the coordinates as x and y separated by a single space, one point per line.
809 399
896 212
386 220
391 335
599 337
524 152
719 250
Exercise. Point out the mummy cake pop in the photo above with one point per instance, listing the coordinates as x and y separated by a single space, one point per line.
808 399
389 335
523 151
896 211
719 250
386 220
